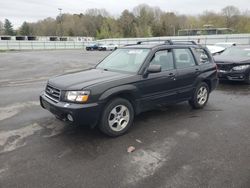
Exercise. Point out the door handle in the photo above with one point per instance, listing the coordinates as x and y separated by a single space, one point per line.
197 71
172 76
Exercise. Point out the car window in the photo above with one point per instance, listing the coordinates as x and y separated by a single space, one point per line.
128 60
202 55
236 52
163 58
184 58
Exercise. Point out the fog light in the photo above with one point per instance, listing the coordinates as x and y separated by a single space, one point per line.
70 118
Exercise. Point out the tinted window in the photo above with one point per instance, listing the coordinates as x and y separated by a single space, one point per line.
163 58
202 55
184 58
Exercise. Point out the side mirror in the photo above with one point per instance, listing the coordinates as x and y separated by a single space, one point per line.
154 69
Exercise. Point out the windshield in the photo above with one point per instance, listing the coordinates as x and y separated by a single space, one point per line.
125 60
239 52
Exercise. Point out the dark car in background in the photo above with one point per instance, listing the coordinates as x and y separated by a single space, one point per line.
93 46
234 64
131 80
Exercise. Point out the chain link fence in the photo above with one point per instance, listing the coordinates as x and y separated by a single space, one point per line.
40 45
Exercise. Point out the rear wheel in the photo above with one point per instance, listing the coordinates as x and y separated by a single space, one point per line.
200 96
117 117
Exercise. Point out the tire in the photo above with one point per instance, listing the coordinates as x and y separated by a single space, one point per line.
117 117
200 96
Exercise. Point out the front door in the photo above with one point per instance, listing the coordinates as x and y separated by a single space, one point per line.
159 88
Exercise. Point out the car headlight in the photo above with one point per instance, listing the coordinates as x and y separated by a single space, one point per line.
241 67
77 96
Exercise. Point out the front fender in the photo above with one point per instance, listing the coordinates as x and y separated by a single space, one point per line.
124 89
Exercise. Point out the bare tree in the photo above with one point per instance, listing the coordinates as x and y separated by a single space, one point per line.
231 14
142 21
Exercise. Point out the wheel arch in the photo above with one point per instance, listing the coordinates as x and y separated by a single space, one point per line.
128 92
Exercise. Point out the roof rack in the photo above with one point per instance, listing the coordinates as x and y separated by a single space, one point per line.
184 42
155 40
170 42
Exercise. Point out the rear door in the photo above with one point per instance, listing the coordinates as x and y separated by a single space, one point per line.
160 88
187 71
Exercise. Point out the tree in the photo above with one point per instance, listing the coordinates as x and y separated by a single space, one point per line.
8 28
1 28
145 19
25 29
142 21
127 23
231 14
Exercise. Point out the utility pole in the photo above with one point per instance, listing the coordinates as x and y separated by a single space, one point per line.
173 30
60 14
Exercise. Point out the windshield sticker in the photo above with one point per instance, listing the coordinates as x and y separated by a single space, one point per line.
135 51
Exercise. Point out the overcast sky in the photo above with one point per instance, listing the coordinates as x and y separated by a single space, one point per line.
18 11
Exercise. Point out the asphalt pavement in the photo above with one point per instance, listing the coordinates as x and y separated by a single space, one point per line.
175 146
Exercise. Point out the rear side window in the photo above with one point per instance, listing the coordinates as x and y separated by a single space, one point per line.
163 58
202 55
184 58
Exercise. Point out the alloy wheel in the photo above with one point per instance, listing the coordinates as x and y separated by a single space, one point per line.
118 118
202 95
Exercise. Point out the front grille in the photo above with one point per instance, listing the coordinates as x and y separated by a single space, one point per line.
225 67
53 93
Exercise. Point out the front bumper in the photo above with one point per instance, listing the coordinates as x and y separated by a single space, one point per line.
232 75
83 114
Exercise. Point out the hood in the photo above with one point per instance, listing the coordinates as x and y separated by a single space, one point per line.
86 78
231 60
215 49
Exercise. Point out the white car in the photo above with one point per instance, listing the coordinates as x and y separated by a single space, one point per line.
215 50
107 47
225 44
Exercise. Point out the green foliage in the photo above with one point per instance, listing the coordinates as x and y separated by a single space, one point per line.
1 28
8 28
142 21
25 29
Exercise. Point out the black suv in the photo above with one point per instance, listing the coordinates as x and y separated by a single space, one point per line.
131 80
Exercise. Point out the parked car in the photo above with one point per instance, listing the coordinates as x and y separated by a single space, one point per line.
92 46
234 64
225 44
215 50
109 47
131 80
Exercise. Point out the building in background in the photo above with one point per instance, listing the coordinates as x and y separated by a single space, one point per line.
206 30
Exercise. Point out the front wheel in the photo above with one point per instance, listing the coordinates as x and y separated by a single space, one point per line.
200 96
117 117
